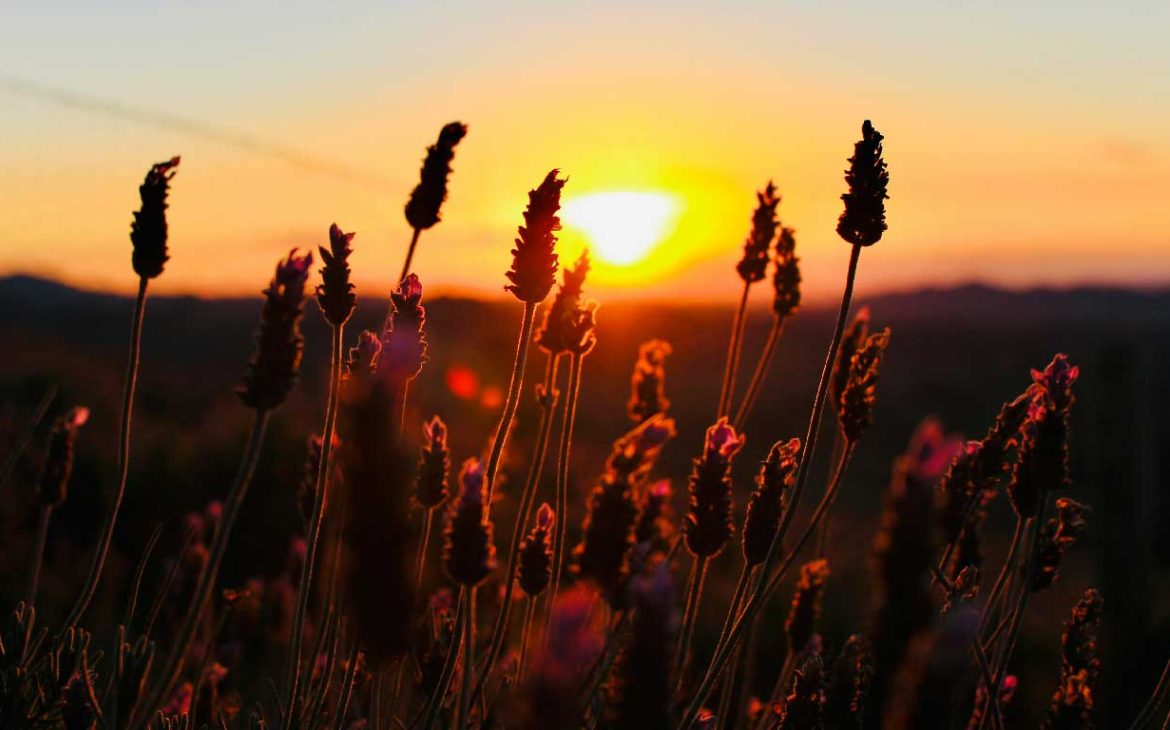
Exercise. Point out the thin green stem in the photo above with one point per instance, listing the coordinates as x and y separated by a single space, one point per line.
515 383
169 671
34 576
312 539
561 505
523 517
107 534
761 372
734 348
690 614
755 599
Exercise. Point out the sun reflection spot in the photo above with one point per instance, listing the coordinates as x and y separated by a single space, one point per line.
623 227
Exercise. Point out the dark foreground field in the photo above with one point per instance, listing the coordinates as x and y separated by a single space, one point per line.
956 355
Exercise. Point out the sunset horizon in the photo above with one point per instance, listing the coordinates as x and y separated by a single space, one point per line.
999 161
621 365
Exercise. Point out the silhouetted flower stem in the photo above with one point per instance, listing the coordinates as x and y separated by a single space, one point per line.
26 435
560 506
463 714
434 705
758 594
845 455
351 673
605 661
428 520
312 538
525 635
761 371
546 396
690 613
734 348
1001 662
515 383
34 576
169 671
733 674
410 253
821 513
1009 564
1146 713
106 536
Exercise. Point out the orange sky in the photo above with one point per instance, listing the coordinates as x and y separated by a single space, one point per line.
1023 150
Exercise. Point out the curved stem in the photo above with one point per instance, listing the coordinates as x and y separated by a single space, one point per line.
779 688
169 671
821 512
111 520
969 510
420 559
347 688
434 704
1147 711
312 539
562 485
731 678
34 576
1008 564
734 348
510 403
605 661
1017 615
755 600
761 371
410 253
523 517
463 716
529 613
136 586
690 614
846 452
21 444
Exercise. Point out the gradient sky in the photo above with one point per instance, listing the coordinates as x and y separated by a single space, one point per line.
1027 142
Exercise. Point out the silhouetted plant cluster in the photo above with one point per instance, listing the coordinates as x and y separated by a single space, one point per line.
376 630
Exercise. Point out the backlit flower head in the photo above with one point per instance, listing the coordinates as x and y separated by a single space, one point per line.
274 368
534 259
864 219
335 294
148 232
422 210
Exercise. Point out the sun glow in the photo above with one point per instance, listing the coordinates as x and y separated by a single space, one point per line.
623 227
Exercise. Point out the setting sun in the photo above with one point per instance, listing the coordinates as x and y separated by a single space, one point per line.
623 227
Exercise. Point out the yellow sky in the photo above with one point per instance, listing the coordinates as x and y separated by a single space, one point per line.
1001 170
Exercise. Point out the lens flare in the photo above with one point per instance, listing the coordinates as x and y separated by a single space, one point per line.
623 227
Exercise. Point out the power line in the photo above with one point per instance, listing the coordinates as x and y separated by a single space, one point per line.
193 127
